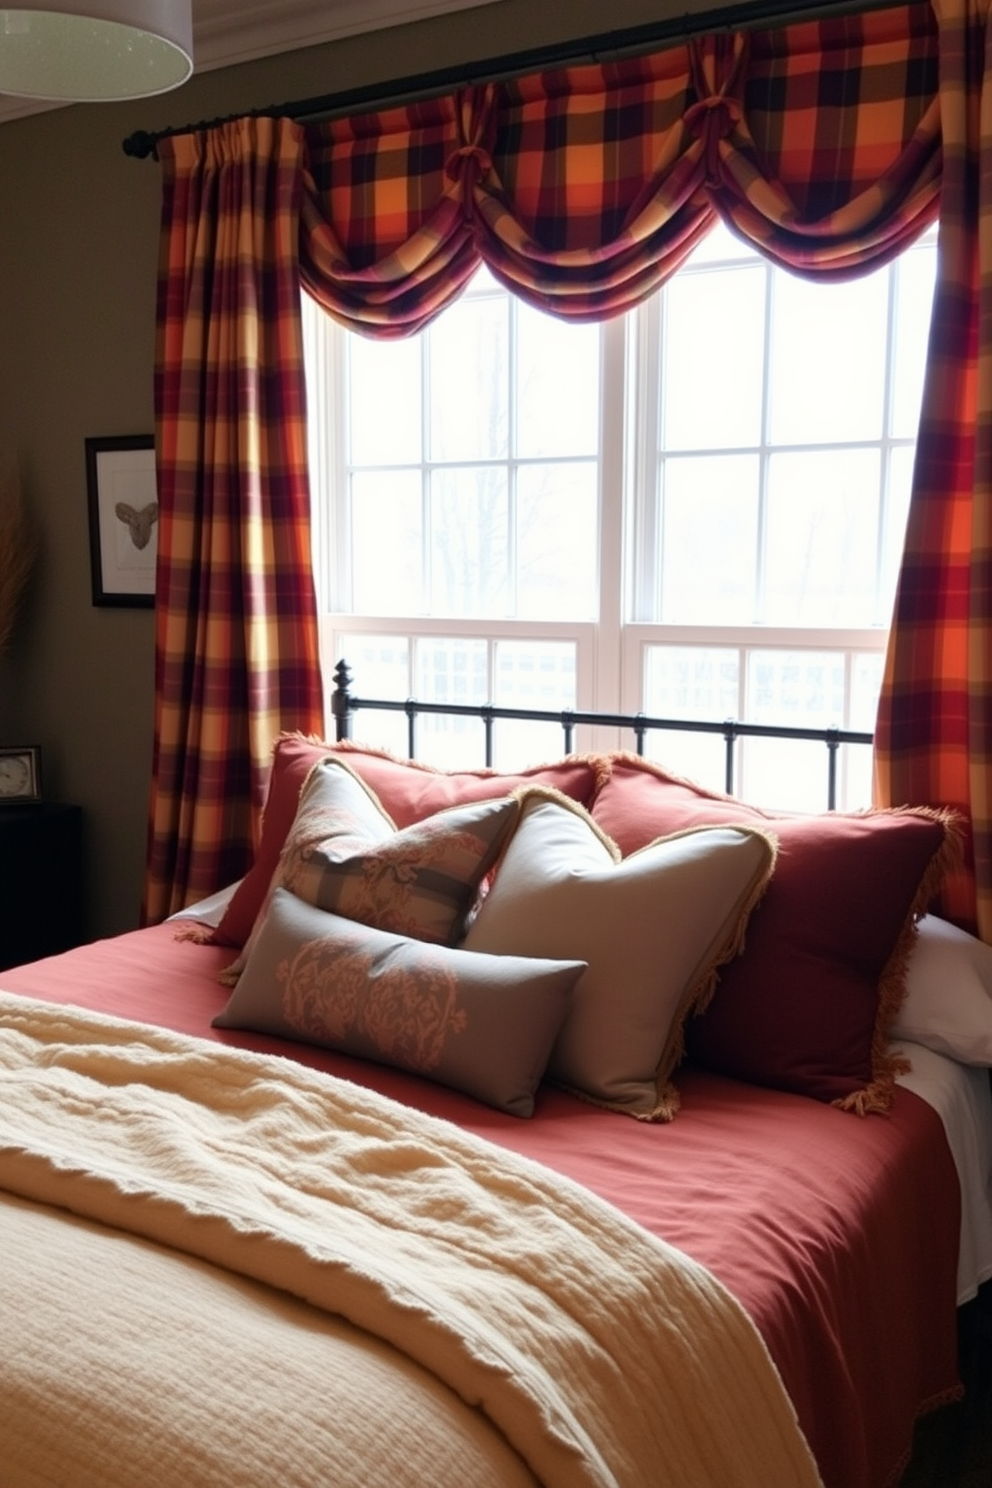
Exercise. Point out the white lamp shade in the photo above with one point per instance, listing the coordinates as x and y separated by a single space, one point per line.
91 51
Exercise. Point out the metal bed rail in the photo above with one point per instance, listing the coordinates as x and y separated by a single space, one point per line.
344 703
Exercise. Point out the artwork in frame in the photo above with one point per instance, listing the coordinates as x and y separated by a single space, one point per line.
123 504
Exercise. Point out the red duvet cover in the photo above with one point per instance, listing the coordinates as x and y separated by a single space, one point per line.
839 1234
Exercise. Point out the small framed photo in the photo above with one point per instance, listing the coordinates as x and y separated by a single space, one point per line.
20 774
123 503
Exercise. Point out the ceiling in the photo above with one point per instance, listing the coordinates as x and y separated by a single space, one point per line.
229 31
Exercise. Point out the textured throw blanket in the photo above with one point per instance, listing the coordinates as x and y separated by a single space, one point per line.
602 1356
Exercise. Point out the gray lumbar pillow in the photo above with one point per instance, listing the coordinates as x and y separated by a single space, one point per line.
482 1024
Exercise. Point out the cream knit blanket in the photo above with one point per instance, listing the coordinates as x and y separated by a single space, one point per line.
603 1356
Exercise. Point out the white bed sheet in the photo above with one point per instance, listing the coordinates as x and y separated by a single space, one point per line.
962 1096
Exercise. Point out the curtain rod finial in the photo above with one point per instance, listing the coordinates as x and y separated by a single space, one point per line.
140 144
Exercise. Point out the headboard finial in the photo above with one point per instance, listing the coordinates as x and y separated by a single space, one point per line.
341 701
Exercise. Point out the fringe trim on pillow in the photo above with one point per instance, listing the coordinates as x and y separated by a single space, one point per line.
651 767
598 764
877 1095
199 934
702 993
526 792
667 1100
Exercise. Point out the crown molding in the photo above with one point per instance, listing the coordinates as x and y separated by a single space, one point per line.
228 31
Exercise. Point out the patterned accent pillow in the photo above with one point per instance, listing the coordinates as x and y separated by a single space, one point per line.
652 928
481 1024
407 791
343 854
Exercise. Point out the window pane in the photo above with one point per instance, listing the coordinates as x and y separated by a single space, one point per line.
469 348
383 374
713 352
866 684
532 674
798 689
856 759
785 775
557 398
828 354
469 542
915 272
709 541
722 243
380 666
822 538
387 539
451 670
697 682
897 510
557 568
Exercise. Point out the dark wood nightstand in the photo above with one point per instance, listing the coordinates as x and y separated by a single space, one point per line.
41 881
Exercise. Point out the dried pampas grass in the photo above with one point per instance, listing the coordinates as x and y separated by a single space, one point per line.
18 550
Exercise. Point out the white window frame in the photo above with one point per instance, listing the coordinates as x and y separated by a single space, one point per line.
610 653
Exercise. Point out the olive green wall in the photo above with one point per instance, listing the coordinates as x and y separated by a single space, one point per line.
78 245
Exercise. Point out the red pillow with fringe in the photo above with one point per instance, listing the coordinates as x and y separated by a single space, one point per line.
808 1005
408 792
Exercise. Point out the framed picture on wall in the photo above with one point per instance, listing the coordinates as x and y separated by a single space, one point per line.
123 504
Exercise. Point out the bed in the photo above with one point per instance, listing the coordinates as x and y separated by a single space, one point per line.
448 1222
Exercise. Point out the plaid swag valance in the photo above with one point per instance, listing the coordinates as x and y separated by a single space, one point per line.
584 189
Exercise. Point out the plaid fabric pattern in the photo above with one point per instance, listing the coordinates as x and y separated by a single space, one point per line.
236 630
835 163
934 729
384 242
585 188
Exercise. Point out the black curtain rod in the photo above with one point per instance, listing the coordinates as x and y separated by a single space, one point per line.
605 46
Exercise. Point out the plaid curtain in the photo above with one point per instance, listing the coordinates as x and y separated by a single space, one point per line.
584 189
236 628
934 730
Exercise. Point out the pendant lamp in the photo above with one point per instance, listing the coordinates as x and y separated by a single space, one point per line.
92 51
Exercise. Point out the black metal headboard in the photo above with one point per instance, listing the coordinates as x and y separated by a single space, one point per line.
344 703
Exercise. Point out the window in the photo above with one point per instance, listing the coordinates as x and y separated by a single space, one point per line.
695 510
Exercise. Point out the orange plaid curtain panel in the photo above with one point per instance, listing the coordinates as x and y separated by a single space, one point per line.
933 740
236 627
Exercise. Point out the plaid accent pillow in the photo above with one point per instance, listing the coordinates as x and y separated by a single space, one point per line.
405 790
344 855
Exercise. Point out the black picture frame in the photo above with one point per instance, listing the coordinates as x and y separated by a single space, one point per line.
123 512
27 758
